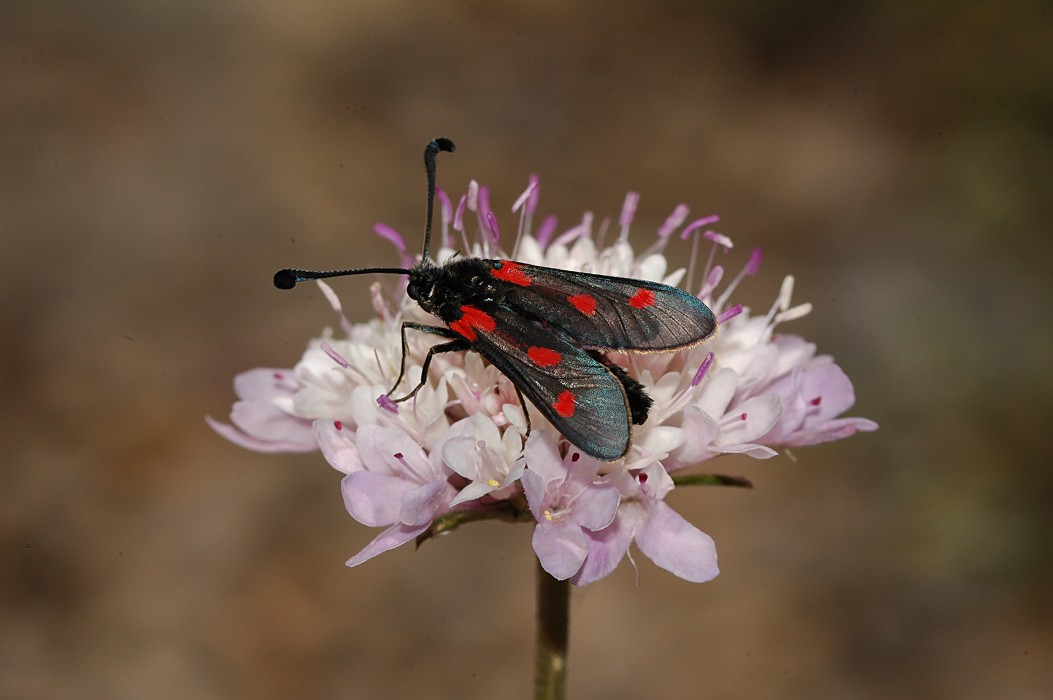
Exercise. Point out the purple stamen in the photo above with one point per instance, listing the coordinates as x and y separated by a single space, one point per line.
336 357
527 196
545 230
673 221
405 464
752 265
446 210
385 402
491 221
531 206
754 262
390 235
578 231
697 224
715 275
628 209
730 313
718 238
458 216
483 213
702 369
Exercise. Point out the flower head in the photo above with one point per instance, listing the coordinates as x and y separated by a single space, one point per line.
461 444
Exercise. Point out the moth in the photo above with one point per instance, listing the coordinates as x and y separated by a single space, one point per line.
547 330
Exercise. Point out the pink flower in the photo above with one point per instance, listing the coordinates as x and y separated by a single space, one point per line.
568 502
264 419
460 445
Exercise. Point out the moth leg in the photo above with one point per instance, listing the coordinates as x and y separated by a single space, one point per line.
526 413
434 330
452 346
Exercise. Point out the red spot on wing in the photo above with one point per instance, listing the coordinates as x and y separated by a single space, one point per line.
470 320
643 298
511 272
584 303
544 357
565 404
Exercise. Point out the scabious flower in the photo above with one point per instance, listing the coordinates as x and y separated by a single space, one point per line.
461 448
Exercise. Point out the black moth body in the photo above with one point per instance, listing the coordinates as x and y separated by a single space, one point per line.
546 329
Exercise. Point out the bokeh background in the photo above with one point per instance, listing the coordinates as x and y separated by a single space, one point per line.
159 160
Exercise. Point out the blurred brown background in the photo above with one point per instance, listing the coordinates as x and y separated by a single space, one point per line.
160 160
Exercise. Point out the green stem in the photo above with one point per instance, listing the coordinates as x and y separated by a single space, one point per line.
553 619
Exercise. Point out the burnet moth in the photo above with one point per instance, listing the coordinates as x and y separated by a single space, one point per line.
546 329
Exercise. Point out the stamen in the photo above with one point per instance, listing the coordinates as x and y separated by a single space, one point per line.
729 314
702 369
458 216
715 275
673 221
385 402
718 238
535 195
406 465
625 220
338 425
578 231
528 202
709 261
601 235
752 265
391 235
528 193
334 304
545 231
786 292
729 419
491 221
665 231
380 307
754 262
483 214
284 381
697 224
473 195
688 230
334 355
445 214
792 314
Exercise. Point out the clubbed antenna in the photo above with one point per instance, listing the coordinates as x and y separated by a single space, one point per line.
287 279
431 151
